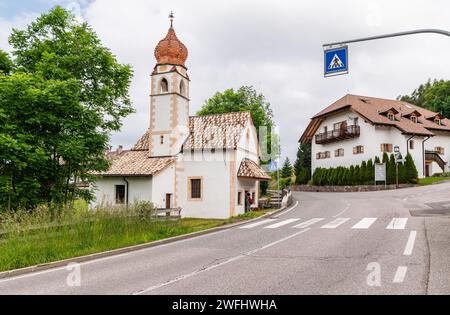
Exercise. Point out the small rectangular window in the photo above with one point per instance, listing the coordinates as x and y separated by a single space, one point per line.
411 144
386 147
196 188
339 153
120 194
358 149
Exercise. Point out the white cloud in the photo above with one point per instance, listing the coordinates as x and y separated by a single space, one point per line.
275 46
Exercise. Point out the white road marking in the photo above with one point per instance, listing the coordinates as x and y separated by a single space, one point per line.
334 224
364 223
286 211
230 260
250 226
397 224
347 207
410 245
400 274
282 223
308 223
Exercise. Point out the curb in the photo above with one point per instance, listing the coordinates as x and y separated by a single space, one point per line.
81 259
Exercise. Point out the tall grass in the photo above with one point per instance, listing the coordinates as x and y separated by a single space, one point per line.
38 237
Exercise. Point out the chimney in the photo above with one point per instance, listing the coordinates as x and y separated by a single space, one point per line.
119 150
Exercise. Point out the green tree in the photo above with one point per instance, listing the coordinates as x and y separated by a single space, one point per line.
411 170
6 65
370 172
246 99
363 173
391 171
286 171
357 176
433 95
65 97
302 166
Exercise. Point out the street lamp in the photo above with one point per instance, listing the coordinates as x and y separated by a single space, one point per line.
398 157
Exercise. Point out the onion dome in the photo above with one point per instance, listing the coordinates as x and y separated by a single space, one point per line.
171 50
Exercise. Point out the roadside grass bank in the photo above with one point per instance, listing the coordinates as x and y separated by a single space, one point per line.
432 180
29 239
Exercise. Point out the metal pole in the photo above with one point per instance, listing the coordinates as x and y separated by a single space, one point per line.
420 31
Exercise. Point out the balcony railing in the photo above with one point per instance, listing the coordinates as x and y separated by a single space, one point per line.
348 132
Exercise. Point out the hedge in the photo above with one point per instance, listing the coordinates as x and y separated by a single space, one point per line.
364 174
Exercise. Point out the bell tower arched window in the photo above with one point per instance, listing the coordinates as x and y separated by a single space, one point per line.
182 88
164 86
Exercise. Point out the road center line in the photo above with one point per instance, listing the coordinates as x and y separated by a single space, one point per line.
400 274
230 260
410 245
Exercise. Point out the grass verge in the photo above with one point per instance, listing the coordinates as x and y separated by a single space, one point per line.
432 180
23 245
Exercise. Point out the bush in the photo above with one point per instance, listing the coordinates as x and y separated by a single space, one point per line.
364 174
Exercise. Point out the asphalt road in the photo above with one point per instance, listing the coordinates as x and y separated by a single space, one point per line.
330 243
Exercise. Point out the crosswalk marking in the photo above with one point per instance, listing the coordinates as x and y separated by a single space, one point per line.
308 223
400 274
364 223
282 223
397 224
250 226
334 224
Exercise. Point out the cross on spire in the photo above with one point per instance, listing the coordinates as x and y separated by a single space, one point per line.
171 17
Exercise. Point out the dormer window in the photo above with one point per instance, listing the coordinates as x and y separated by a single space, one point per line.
438 121
391 116
414 119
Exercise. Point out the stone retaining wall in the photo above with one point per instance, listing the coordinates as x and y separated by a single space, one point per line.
347 188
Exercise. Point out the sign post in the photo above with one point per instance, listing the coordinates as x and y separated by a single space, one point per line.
380 173
336 61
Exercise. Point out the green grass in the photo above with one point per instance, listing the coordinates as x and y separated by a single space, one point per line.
432 180
30 239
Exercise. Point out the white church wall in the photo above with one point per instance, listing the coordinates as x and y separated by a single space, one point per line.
140 189
214 170
163 184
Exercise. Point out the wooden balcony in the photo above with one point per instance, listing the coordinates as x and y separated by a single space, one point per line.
348 132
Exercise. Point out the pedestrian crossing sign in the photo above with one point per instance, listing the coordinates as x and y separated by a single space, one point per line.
336 61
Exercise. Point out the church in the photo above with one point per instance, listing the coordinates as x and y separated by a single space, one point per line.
205 165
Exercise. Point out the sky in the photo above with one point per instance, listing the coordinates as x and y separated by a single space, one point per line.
275 46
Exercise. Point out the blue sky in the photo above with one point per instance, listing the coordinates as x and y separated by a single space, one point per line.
12 8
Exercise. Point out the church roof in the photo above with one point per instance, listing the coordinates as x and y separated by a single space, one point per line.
136 163
221 131
249 169
171 50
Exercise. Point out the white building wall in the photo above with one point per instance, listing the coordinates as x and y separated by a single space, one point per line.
140 189
214 170
163 184
441 139
371 137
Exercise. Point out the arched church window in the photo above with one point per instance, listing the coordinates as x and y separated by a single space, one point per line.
182 88
164 86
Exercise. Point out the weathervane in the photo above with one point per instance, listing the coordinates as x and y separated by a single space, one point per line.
171 17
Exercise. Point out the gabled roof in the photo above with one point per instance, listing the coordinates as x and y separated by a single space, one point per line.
371 108
249 169
222 131
136 163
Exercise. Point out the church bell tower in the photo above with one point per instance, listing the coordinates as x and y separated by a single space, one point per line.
169 97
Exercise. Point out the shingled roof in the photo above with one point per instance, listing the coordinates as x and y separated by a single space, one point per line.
372 109
136 163
221 131
249 169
